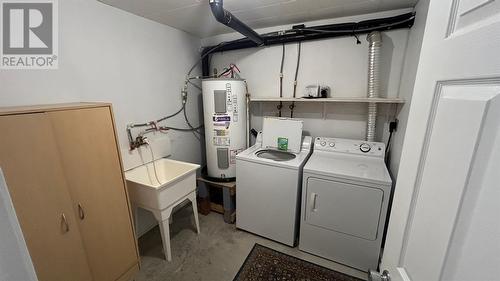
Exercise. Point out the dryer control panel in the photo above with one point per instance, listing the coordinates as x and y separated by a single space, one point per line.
360 147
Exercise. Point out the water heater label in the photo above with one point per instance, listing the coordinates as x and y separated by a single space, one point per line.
221 141
222 118
235 108
228 95
221 132
222 124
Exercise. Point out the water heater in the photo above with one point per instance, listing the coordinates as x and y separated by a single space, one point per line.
224 106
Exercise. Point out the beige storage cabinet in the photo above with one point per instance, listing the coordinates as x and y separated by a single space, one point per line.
64 174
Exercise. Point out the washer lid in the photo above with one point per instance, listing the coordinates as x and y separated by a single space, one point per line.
354 167
279 131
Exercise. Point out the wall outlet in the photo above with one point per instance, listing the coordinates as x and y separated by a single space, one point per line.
393 126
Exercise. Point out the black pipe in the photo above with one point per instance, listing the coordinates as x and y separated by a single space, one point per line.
205 63
301 33
327 31
225 17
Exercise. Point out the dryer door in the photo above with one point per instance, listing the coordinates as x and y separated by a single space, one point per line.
347 208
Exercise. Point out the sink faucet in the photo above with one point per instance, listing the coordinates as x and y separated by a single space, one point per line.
139 141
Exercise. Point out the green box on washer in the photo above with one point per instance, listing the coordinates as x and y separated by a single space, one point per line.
282 143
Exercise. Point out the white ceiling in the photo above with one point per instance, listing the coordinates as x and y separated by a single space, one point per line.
195 17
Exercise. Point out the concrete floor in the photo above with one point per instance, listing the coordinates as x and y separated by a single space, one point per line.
216 254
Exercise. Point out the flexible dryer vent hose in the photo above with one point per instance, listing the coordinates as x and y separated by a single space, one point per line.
375 43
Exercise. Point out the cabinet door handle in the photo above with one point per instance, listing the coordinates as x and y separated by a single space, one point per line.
313 202
81 212
64 223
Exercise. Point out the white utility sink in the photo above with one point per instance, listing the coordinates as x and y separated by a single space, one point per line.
173 183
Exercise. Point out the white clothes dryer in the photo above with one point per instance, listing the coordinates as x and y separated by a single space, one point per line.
345 195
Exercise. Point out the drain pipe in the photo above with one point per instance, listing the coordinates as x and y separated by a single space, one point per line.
375 43
225 17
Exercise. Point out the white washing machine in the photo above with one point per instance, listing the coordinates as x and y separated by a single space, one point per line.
345 195
268 183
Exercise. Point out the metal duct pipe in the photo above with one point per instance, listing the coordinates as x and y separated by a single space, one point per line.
225 17
375 43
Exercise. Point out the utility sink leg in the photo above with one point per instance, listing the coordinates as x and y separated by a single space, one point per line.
165 237
192 198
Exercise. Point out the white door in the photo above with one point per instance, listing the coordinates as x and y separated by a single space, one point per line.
444 222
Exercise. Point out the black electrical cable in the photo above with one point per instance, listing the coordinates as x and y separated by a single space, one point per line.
157 121
204 55
292 106
170 116
194 85
355 35
197 135
190 129
180 129
189 124
388 147
389 141
318 32
356 30
227 70
281 80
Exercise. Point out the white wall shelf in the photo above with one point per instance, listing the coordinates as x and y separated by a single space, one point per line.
334 99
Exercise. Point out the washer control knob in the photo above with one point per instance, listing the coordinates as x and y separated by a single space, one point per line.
332 144
364 147
323 143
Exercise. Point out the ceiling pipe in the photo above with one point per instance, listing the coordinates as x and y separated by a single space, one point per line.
301 34
225 17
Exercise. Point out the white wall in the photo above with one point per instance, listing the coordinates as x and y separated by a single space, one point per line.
339 63
110 55
407 81
15 262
